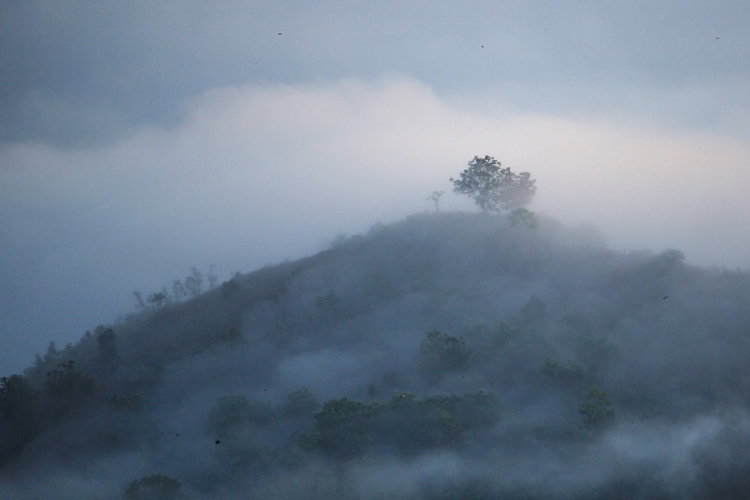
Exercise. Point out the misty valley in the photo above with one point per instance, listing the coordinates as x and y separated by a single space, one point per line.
449 355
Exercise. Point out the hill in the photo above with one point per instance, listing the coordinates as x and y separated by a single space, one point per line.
445 356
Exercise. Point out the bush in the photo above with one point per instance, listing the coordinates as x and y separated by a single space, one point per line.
347 429
154 487
341 428
440 353
597 412
300 403
571 376
523 217
65 388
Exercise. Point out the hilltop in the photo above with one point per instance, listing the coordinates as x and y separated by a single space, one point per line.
448 355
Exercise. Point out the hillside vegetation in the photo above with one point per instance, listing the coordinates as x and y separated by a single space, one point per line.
446 356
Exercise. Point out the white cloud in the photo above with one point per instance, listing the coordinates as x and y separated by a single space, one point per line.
261 173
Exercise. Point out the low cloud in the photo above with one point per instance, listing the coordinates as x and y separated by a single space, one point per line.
261 173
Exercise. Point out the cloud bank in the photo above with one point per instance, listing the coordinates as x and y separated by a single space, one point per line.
261 173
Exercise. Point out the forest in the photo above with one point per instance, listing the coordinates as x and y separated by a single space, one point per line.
449 355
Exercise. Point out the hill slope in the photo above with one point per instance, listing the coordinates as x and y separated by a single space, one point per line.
445 356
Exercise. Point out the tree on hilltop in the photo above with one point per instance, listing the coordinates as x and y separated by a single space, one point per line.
494 188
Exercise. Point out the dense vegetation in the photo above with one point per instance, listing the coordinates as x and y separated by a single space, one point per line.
449 355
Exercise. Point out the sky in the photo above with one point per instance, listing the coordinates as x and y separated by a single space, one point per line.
139 139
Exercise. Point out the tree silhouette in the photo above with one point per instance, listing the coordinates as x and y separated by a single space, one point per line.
494 188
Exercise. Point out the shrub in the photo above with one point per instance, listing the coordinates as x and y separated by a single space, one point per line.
597 412
154 487
440 353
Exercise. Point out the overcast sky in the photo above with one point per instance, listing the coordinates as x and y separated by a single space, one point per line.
138 139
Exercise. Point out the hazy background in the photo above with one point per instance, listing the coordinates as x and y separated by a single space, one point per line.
139 139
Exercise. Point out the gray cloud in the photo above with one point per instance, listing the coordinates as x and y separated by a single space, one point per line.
258 174
78 73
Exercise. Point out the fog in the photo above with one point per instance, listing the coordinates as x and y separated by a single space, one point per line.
237 393
138 142
87 227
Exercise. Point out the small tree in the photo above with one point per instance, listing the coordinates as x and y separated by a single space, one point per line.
158 299
300 403
440 352
341 429
106 343
435 198
194 282
597 412
179 292
139 302
522 217
212 278
493 188
66 388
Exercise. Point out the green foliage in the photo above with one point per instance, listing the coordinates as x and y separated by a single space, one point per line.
194 282
106 343
17 421
440 352
522 217
158 299
16 395
179 292
411 425
571 376
190 287
52 354
479 409
300 403
230 288
154 487
65 388
493 188
347 429
597 412
341 428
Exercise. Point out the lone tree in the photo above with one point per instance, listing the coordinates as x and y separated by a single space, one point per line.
493 188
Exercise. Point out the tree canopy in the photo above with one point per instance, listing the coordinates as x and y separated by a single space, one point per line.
494 188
